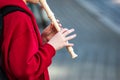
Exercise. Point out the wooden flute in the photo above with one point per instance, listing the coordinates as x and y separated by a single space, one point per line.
53 19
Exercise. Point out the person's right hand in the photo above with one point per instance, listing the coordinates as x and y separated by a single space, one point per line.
60 39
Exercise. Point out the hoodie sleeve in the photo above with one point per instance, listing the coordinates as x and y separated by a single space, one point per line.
26 57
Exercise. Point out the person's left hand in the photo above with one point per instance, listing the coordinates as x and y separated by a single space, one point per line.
49 32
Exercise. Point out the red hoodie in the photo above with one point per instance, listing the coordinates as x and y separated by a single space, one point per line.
24 55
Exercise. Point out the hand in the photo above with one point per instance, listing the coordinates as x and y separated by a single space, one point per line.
49 32
60 39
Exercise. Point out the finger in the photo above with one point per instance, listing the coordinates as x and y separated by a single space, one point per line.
58 20
70 37
68 32
60 25
63 30
52 26
69 44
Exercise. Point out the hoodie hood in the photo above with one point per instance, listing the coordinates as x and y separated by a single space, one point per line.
18 3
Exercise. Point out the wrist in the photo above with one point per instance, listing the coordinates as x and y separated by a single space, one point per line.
52 44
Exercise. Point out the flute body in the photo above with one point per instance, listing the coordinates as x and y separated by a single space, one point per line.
53 19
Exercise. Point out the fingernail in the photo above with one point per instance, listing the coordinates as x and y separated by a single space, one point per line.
60 25
73 29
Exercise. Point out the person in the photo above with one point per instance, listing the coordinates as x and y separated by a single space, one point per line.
26 52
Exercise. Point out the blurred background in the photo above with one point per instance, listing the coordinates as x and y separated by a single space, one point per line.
97 24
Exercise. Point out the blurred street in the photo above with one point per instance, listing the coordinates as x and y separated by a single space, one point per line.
107 11
97 46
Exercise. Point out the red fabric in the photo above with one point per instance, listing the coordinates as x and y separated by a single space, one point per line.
24 55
